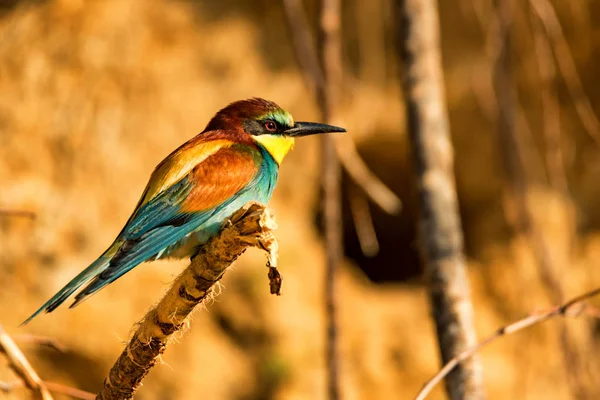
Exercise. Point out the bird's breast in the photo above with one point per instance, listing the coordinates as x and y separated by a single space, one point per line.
260 189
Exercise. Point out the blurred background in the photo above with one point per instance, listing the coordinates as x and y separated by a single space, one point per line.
94 94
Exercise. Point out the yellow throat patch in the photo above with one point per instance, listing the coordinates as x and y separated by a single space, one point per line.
277 145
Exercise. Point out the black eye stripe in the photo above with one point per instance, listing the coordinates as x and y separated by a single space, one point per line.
258 127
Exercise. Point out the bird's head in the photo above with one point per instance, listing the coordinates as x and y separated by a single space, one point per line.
267 124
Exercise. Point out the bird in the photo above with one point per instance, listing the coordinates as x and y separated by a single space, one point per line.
190 194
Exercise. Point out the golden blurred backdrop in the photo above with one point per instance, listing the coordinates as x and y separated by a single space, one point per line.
94 94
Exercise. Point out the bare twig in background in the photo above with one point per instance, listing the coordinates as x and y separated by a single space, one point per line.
29 378
440 227
325 81
573 307
17 213
7 387
328 96
57 388
566 64
306 54
19 364
308 61
551 111
364 177
251 226
40 341
69 391
482 84
363 222
510 147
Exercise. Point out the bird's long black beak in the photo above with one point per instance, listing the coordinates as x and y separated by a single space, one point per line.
311 128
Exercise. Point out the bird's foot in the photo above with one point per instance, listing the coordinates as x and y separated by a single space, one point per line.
261 235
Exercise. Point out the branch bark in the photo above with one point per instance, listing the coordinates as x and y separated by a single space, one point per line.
251 226
439 222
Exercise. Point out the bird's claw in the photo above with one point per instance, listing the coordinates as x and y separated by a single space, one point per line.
260 235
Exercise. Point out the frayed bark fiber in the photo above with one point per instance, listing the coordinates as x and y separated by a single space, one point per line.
251 226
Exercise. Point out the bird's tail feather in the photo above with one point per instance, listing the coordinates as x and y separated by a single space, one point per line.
81 279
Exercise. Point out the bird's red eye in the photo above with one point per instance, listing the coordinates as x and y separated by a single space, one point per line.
270 126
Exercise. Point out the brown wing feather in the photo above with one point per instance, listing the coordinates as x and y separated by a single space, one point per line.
221 176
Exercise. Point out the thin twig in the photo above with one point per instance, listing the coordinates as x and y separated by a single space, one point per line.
70 391
7 387
511 150
18 214
364 177
567 67
573 307
40 341
250 226
304 49
550 110
54 387
308 60
328 95
363 222
19 364
440 230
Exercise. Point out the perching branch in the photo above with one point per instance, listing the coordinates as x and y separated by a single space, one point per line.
574 307
251 226
440 230
19 364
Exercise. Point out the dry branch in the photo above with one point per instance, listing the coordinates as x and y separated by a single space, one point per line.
308 61
325 80
19 364
17 213
440 229
551 111
511 149
251 226
54 387
363 222
41 341
573 307
567 67
328 95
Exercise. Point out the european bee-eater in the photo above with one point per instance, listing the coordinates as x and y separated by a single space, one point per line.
191 192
